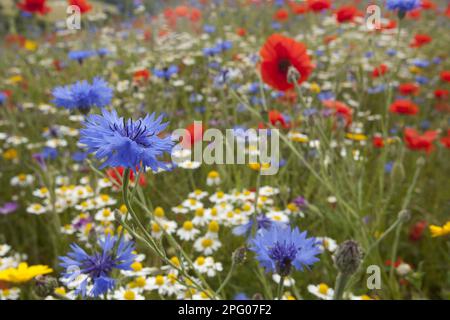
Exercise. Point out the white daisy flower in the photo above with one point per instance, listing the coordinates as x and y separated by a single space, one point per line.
187 232
207 245
321 291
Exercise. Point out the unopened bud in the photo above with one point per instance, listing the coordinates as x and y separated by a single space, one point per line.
45 285
348 257
240 255
257 296
404 215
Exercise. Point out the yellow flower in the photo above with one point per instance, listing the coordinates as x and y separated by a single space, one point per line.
10 154
356 136
23 273
213 174
15 79
30 45
314 87
437 231
257 166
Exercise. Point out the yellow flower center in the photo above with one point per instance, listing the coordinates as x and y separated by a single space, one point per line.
213 226
213 174
187 225
159 212
207 243
199 212
136 266
159 280
200 260
323 288
129 295
61 291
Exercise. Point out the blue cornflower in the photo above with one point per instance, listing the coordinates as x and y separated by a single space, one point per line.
262 222
280 248
82 95
223 46
124 143
402 5
49 153
81 55
209 28
166 73
3 98
96 268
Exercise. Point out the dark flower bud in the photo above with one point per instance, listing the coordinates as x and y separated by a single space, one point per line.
348 257
257 296
240 255
404 215
45 285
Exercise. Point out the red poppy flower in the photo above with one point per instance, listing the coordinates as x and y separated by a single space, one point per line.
408 88
195 134
391 24
427 5
82 4
281 15
116 174
380 70
298 8
398 262
445 75
278 54
424 142
275 118
34 6
378 141
195 15
414 14
420 40
347 14
416 230
181 11
404 107
341 110
318 5
241 32
445 141
15 39
141 75
441 94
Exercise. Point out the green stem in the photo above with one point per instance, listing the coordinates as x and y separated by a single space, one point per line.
341 283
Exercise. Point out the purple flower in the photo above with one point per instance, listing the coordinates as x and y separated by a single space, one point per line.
8 207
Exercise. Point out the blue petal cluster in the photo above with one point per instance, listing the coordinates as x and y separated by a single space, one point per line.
402 5
82 95
126 143
98 266
280 248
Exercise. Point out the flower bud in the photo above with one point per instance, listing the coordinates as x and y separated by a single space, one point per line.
45 285
404 215
348 257
240 255
257 296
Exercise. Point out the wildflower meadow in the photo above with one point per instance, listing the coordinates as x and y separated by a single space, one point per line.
224 150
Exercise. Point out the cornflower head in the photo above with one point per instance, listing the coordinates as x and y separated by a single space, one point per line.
126 143
96 268
280 248
83 95
402 6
